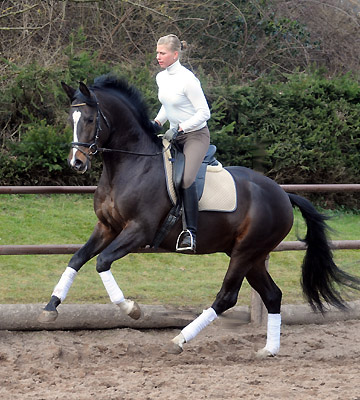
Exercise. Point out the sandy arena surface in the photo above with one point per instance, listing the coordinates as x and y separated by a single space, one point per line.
315 362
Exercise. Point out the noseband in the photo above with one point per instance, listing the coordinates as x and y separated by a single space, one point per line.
93 147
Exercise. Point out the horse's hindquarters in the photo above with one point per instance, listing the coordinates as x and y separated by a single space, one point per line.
264 213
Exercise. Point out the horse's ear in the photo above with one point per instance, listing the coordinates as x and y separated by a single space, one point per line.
68 90
84 90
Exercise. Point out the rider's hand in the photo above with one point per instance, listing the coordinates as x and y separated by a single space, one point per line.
171 134
156 126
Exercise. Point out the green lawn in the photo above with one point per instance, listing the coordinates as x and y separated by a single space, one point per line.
149 278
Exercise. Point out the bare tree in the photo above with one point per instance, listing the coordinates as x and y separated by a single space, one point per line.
244 39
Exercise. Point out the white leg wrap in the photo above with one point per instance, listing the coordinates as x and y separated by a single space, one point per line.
179 340
273 333
114 292
126 306
63 286
203 320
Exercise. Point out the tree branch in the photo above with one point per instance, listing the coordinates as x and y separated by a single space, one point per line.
22 28
148 9
18 12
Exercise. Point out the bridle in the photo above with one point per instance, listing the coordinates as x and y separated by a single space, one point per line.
93 146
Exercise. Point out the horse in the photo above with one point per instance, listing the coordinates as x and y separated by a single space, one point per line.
131 202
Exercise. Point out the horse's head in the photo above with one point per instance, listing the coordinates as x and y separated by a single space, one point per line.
85 118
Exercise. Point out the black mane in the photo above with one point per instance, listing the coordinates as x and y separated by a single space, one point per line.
122 89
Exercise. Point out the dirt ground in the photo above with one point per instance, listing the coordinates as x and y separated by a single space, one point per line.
315 362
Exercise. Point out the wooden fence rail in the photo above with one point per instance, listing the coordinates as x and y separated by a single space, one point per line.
42 249
91 189
72 248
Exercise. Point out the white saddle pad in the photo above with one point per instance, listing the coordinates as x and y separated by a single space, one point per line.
219 190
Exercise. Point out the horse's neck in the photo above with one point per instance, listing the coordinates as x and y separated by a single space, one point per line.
126 168
127 135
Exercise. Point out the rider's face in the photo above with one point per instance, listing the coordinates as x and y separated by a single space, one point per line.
165 57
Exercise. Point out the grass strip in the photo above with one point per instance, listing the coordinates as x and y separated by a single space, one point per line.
173 279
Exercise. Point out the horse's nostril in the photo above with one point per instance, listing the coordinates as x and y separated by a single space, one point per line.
78 164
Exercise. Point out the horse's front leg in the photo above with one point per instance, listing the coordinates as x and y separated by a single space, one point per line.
99 239
130 239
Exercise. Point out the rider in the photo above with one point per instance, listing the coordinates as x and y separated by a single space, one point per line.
184 105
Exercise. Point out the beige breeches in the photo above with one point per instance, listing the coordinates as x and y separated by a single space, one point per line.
195 146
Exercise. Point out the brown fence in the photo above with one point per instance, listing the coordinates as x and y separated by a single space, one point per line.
72 248
34 249
91 189
257 310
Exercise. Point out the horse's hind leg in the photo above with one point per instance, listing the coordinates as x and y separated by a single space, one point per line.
261 281
99 239
225 299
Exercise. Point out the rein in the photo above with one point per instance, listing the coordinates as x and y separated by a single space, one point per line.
93 147
134 153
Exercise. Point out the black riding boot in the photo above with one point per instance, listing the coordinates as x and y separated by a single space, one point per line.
187 239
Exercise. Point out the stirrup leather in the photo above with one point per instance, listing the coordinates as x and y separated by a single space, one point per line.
191 247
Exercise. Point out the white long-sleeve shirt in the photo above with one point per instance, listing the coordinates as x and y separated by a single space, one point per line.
183 101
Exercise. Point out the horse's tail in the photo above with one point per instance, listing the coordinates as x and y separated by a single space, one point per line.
319 272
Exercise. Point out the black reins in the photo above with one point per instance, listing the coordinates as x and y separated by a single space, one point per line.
93 147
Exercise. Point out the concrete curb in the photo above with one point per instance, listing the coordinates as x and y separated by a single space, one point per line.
14 317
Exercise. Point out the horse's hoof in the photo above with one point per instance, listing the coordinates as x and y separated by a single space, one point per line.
173 348
263 353
135 312
176 344
130 308
47 317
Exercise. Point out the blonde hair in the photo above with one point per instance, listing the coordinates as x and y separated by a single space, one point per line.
173 43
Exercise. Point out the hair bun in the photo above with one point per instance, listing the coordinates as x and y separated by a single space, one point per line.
184 45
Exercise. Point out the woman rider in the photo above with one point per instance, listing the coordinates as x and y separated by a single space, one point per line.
185 107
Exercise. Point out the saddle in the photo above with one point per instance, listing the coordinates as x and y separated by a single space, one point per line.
178 165
215 186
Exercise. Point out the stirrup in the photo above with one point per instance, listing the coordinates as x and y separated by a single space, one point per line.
191 247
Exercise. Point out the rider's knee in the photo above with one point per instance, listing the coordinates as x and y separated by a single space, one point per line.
187 182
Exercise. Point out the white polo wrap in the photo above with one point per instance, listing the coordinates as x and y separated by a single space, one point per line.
203 320
114 292
63 286
273 333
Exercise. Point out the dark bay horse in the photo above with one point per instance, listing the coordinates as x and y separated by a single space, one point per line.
131 202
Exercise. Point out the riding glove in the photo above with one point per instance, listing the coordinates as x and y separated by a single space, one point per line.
171 134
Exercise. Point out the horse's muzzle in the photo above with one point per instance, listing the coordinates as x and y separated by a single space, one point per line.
79 166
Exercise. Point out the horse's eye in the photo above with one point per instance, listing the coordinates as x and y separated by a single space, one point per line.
90 120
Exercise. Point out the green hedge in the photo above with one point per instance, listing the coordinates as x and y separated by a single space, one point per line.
304 129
